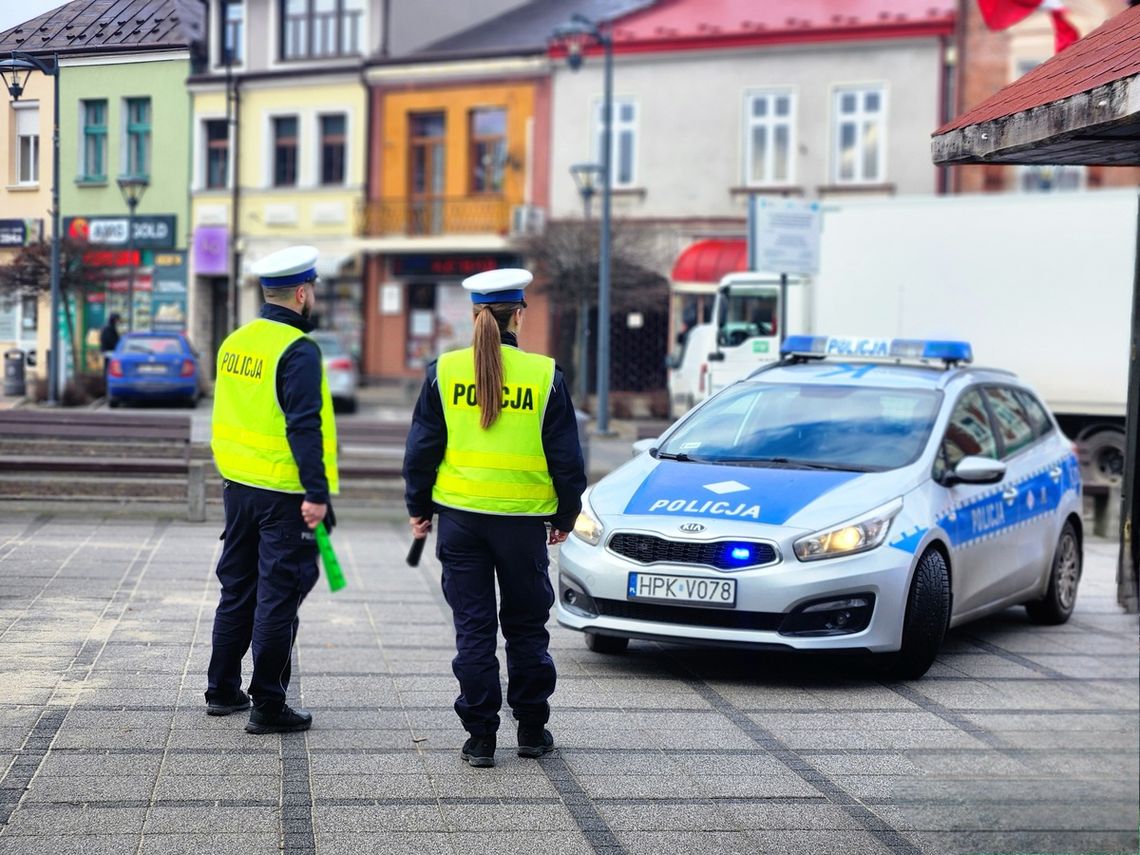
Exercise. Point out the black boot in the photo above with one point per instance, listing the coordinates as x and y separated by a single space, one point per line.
534 740
288 720
225 706
479 751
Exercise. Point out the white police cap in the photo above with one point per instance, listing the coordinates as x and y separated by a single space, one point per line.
287 267
498 286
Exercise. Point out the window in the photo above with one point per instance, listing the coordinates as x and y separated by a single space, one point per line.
217 153
94 165
27 123
285 151
1038 415
311 29
29 308
332 149
968 434
488 150
1017 430
861 121
624 142
770 138
138 137
232 35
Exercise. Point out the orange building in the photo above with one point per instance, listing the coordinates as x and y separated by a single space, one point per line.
457 178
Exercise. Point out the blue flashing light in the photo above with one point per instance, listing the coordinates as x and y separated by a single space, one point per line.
741 553
877 348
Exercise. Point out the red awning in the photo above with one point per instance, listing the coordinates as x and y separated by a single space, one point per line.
709 260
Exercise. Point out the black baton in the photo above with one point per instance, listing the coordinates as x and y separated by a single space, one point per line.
416 551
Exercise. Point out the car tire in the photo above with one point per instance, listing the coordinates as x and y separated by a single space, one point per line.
606 643
1103 453
350 405
1057 605
927 616
114 403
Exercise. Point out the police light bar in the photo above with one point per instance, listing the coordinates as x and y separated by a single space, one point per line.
876 348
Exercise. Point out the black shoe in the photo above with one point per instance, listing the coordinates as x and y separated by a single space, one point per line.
534 740
237 703
479 751
288 720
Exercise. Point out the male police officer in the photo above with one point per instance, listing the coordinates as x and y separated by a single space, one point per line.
493 448
274 442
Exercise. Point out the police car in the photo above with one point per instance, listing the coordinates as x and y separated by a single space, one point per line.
858 495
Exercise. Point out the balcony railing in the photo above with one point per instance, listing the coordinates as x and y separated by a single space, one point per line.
438 216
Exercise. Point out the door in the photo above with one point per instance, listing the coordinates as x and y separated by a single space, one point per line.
974 516
425 173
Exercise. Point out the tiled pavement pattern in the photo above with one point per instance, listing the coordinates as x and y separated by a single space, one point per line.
1022 739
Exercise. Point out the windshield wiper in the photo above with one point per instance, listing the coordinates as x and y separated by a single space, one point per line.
793 464
681 456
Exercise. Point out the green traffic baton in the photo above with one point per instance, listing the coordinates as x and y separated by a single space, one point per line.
328 558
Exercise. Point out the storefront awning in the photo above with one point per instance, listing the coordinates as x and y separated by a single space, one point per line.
710 260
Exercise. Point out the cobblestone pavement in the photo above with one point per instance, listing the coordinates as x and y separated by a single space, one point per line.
1021 739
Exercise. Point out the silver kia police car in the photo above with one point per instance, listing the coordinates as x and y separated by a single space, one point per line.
859 494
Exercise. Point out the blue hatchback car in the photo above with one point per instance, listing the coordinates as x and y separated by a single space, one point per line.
151 366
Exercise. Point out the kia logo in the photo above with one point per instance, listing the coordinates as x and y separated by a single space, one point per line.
692 528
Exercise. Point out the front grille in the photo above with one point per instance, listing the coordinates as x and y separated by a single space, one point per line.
689 615
649 549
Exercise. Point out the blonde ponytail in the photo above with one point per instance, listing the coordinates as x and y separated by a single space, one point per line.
491 321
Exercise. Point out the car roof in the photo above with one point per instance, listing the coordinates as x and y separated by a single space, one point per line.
878 373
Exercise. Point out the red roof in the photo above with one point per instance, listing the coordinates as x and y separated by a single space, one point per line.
709 260
677 24
1110 52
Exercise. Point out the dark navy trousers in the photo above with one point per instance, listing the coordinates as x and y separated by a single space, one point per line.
268 565
474 549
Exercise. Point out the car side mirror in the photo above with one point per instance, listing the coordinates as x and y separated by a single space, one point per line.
977 470
716 356
644 445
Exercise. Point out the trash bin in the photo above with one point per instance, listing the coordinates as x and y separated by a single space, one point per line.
14 372
583 437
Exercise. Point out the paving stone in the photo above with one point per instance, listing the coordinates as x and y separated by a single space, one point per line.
103 844
215 844
165 819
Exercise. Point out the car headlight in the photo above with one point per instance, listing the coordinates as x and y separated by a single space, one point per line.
857 535
587 526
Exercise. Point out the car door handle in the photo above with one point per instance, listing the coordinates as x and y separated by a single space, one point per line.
1010 494
1055 473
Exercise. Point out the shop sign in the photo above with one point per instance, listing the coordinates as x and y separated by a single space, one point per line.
20 232
451 265
211 246
169 308
150 232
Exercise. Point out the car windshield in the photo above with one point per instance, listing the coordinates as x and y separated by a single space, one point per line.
153 344
329 344
811 426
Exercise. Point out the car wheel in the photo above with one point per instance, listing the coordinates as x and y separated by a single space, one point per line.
927 615
606 643
1057 604
350 405
114 403
1103 453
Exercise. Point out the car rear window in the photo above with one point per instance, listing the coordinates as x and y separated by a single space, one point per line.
154 345
842 427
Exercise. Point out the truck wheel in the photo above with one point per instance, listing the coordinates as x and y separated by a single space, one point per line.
1103 455
1057 604
927 615
606 643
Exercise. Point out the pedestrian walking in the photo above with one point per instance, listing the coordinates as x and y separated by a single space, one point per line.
109 339
493 449
274 442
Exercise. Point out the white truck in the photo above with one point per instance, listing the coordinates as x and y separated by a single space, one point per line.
1040 285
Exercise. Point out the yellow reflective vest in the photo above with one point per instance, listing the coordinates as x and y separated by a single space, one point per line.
249 442
500 470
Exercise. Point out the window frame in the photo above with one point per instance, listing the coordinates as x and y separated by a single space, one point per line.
225 26
939 457
208 147
616 128
323 141
135 132
96 134
276 146
346 14
473 142
859 118
771 122
19 109
1034 435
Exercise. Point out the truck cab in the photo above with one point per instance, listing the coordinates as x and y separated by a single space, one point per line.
742 335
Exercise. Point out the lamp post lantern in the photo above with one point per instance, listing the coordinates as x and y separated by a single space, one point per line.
11 69
578 33
132 187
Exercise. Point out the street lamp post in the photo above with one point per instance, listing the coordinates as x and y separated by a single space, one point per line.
132 187
586 176
579 32
10 70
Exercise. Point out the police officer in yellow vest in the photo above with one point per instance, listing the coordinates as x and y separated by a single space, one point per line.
274 442
493 448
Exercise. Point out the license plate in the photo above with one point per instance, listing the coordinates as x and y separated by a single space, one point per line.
151 369
682 589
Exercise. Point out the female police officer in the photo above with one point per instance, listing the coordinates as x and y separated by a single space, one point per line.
494 449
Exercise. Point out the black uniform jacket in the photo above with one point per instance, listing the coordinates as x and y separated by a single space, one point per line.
299 391
427 441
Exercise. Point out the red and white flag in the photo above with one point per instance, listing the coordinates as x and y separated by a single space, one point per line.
1000 14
